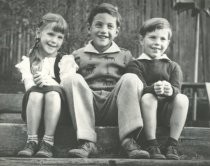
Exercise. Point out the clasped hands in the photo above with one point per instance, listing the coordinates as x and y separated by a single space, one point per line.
42 79
163 88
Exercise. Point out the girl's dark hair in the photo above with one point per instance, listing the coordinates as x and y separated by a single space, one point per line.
105 8
58 24
156 23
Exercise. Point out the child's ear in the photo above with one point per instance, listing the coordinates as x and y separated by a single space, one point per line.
117 31
38 33
88 27
141 38
168 42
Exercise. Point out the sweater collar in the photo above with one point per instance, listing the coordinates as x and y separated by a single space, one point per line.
112 49
146 57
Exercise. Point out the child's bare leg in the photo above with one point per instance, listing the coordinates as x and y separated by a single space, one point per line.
52 112
34 112
177 121
51 117
149 113
179 114
149 104
33 115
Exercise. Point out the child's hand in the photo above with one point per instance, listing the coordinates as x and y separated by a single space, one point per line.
163 88
159 88
44 80
168 91
40 79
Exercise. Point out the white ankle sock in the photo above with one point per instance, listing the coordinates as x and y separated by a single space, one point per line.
49 139
33 138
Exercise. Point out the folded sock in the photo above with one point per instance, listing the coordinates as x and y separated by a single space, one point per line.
33 138
49 139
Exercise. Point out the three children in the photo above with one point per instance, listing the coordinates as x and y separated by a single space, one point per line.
41 76
104 91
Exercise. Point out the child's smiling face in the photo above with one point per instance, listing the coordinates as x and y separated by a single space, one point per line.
50 41
155 43
103 31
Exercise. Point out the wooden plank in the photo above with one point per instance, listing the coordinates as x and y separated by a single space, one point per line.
97 162
10 118
196 133
12 87
192 146
10 102
193 85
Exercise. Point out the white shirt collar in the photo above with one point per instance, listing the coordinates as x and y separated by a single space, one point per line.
146 57
90 48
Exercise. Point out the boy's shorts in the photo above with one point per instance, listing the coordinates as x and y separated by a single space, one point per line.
164 111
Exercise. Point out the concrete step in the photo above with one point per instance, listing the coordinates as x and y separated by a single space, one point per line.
194 142
8 161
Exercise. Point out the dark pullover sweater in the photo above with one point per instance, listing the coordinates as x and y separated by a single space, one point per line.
151 71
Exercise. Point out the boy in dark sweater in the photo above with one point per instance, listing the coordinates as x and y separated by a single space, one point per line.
161 100
99 93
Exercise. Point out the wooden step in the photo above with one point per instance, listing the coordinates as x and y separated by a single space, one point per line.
12 103
8 161
11 87
10 118
194 142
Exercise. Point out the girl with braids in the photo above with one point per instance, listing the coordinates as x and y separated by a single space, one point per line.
41 73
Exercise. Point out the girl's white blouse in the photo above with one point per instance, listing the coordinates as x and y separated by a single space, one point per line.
47 67
67 66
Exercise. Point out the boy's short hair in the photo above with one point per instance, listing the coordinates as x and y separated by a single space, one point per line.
156 23
105 8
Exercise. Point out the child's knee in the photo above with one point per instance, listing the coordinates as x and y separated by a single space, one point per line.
148 99
71 79
182 100
52 96
131 80
35 97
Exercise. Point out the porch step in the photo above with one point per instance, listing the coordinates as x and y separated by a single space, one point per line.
12 103
194 142
10 118
5 161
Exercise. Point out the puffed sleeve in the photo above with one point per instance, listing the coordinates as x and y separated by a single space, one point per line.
67 66
24 68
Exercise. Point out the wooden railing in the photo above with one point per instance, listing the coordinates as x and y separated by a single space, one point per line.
195 87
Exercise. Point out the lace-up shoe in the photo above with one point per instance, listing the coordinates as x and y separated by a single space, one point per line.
45 151
155 153
85 150
133 150
29 150
171 153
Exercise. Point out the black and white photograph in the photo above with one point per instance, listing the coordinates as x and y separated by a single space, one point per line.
104 83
